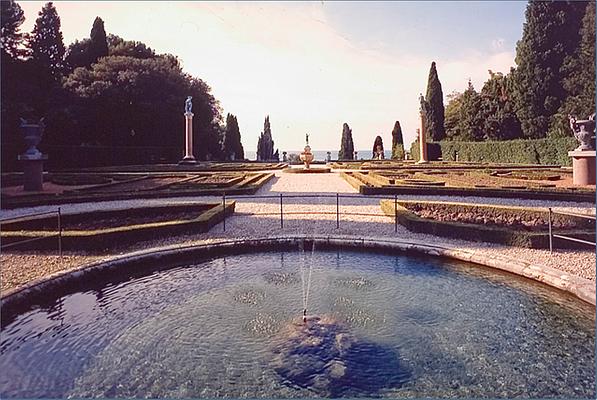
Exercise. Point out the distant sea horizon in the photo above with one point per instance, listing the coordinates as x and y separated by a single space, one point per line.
320 155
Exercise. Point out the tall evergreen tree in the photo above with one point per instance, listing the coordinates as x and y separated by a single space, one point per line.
378 142
98 45
550 34
469 119
233 148
346 145
46 44
434 115
497 117
579 78
12 18
397 142
265 144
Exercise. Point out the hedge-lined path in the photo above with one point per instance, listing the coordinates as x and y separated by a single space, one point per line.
21 267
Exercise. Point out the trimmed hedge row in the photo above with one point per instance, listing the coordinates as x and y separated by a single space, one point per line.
208 215
549 151
479 232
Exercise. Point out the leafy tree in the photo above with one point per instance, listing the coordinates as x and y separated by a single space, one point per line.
346 145
98 44
434 112
233 148
497 115
550 34
46 44
397 142
579 78
265 144
77 55
12 18
378 142
469 119
125 101
117 46
452 115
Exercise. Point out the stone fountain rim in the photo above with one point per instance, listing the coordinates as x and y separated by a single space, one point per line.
581 288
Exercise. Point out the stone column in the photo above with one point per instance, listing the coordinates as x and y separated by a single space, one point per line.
422 143
189 158
583 167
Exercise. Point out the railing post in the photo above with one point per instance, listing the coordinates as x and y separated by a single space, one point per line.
59 233
395 213
337 210
281 213
224 210
549 225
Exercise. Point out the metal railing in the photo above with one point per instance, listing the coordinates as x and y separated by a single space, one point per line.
336 196
569 238
58 235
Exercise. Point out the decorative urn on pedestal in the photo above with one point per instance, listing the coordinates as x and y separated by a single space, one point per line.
33 159
583 157
306 156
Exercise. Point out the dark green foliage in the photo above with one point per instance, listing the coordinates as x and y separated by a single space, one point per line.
12 18
434 112
550 34
98 45
578 78
452 115
143 109
265 144
497 115
46 44
232 146
469 123
538 151
346 145
117 46
378 142
397 142
434 151
77 55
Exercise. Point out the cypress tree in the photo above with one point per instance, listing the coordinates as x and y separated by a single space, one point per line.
497 117
265 144
46 43
469 119
397 142
233 148
346 145
550 34
12 18
378 142
434 115
98 45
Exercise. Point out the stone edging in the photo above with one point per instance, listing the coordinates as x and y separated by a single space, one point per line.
581 288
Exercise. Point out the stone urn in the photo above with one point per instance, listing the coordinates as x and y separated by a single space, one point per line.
306 156
583 131
32 133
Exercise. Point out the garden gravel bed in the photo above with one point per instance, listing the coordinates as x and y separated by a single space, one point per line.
320 219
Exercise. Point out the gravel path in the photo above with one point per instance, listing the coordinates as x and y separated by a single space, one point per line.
260 217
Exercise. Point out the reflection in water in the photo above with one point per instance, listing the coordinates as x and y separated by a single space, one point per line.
388 326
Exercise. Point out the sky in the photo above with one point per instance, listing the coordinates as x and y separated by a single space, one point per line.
312 66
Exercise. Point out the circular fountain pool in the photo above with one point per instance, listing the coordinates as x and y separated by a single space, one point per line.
379 325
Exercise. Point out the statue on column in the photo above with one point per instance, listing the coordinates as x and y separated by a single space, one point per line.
188 105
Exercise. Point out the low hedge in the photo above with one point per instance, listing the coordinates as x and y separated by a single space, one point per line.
486 233
28 228
548 151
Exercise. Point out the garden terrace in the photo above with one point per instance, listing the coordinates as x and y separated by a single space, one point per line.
112 228
547 184
514 226
199 167
84 187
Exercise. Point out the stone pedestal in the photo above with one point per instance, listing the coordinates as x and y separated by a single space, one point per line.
188 158
422 143
33 170
583 167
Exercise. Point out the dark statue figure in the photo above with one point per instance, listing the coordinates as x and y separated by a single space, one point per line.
188 105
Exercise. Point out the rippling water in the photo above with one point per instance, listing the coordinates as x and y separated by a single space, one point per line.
389 326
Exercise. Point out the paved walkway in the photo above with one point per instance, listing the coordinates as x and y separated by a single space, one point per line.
302 215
